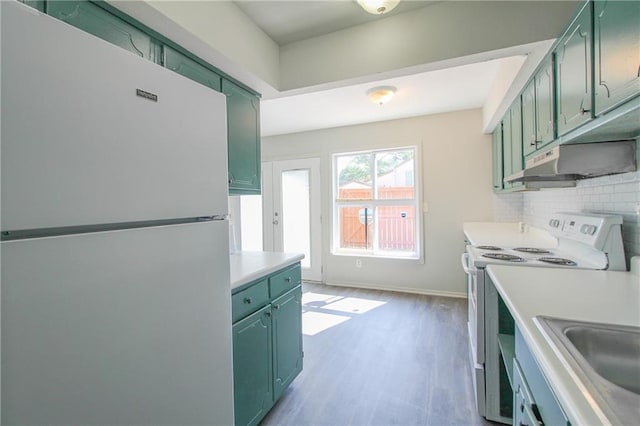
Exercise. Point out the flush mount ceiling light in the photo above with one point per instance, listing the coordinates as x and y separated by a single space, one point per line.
378 7
381 94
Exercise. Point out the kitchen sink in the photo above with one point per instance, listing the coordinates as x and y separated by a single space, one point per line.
606 359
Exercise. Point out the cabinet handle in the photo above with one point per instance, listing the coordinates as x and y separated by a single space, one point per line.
288 279
268 313
248 300
276 307
584 111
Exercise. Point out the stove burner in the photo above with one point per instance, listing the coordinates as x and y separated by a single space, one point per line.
505 257
558 261
532 250
494 248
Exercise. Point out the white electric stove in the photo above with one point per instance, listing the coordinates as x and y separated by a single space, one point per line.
585 241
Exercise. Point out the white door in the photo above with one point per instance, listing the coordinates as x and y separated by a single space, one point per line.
291 192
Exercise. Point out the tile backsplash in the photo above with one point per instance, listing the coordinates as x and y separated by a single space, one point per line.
615 194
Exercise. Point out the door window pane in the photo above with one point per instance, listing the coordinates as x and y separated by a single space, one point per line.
296 214
251 222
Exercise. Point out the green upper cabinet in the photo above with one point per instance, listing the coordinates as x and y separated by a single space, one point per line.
545 104
189 68
36 4
538 109
573 73
512 143
97 21
287 339
243 127
252 367
617 52
498 173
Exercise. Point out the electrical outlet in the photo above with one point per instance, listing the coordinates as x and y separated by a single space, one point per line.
358 263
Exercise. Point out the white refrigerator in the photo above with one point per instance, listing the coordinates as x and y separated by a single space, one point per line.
115 293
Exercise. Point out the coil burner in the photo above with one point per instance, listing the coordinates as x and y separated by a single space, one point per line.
493 248
532 250
505 257
558 261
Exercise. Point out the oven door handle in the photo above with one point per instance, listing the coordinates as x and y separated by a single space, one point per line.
464 259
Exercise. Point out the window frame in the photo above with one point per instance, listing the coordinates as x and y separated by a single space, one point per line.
416 202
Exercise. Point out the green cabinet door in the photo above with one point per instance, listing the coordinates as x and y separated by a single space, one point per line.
545 104
573 73
287 339
617 52
516 154
189 68
529 118
496 146
506 148
252 367
36 4
243 128
97 21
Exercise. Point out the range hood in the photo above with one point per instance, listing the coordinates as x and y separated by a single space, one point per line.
564 164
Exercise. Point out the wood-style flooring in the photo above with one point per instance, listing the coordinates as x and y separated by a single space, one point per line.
389 359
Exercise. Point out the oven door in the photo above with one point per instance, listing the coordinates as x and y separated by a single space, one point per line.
475 303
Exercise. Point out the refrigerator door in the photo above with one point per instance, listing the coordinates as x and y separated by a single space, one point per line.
80 146
120 327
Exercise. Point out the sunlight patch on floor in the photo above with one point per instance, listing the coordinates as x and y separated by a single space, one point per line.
354 305
315 322
320 310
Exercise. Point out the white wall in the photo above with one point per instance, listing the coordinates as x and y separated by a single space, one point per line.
456 183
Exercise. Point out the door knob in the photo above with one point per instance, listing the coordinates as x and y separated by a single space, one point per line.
275 222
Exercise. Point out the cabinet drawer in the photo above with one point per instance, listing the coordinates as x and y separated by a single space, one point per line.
249 300
285 280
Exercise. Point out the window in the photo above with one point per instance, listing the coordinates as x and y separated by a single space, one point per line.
376 204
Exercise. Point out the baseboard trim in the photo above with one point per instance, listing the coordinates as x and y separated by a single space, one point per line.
426 292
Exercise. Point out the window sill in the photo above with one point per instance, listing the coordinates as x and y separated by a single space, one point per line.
386 256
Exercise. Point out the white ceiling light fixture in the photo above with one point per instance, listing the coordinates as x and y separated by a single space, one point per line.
381 94
378 7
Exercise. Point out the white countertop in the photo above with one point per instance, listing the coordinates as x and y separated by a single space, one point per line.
247 266
596 296
508 234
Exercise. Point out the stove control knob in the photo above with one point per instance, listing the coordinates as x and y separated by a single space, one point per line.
585 229
592 229
551 221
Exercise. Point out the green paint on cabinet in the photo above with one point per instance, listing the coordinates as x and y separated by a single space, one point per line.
287 339
512 143
617 53
95 20
529 119
573 73
191 69
253 367
498 172
243 128
545 104
267 344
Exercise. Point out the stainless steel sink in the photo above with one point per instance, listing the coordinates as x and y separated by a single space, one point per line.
606 359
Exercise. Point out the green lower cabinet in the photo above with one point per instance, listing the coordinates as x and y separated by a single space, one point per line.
243 129
616 53
287 339
252 367
95 20
267 345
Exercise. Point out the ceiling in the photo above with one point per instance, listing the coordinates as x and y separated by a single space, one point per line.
419 93
290 21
